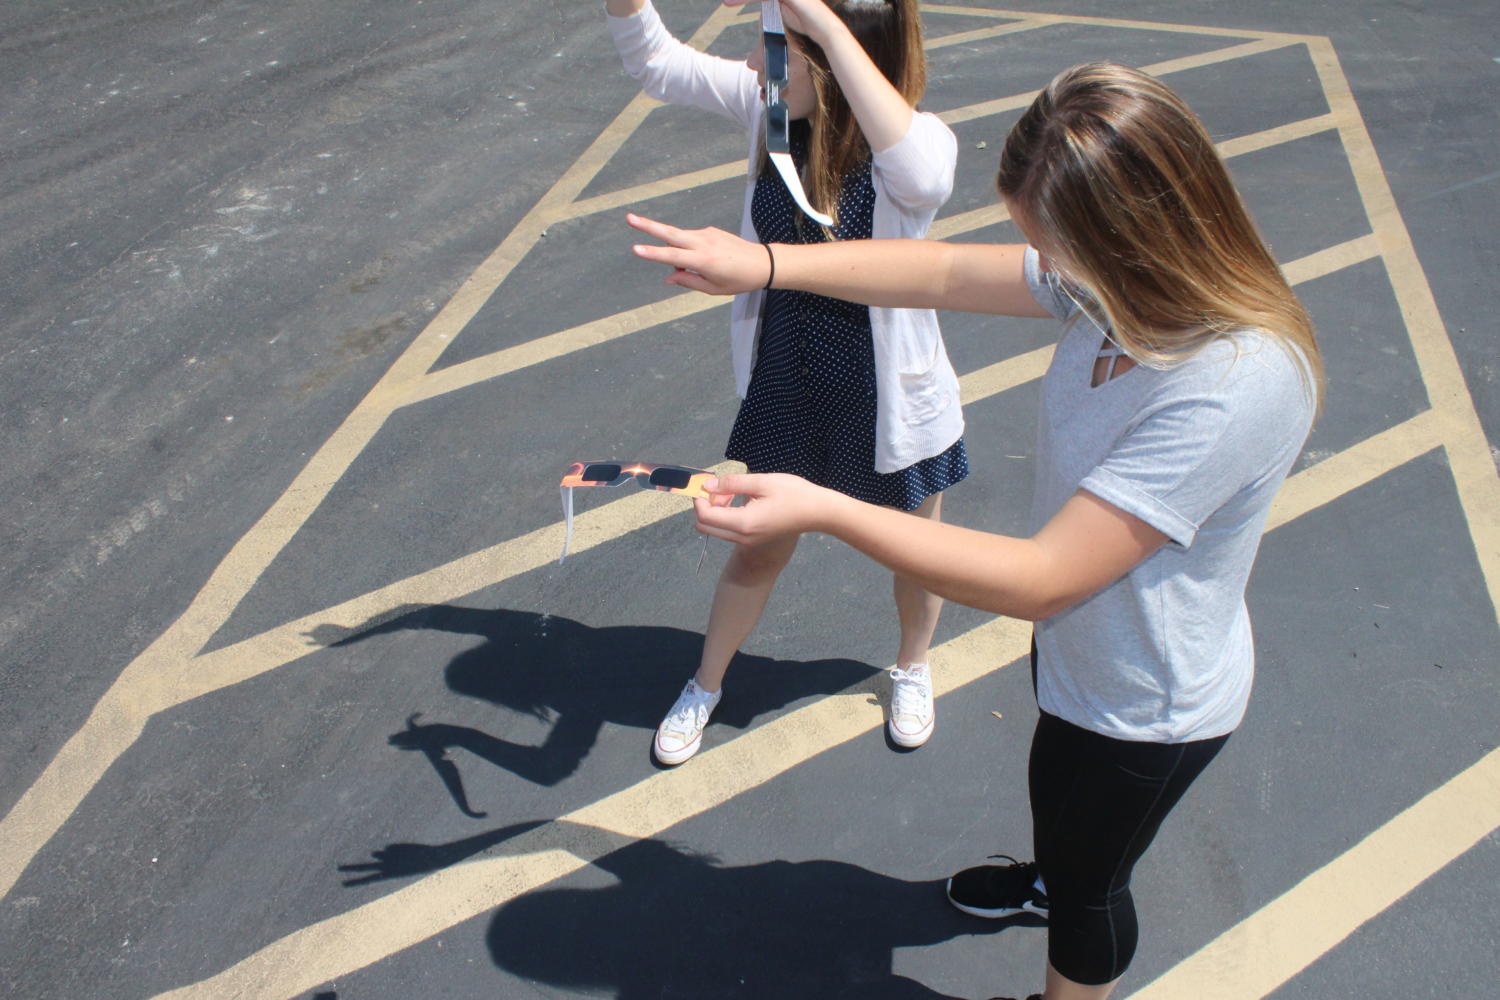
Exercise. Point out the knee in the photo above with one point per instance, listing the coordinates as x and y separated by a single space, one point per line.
749 565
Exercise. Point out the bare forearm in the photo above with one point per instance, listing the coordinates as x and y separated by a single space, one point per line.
623 8
895 273
995 573
912 274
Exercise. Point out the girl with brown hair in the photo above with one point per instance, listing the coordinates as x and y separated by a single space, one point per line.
1180 393
859 399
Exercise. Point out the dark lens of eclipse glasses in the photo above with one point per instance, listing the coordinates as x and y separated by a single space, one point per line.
600 473
776 60
672 479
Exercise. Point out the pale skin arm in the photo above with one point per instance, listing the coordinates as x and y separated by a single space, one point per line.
1086 546
883 114
914 274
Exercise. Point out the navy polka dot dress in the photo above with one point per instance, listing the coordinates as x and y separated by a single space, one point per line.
810 408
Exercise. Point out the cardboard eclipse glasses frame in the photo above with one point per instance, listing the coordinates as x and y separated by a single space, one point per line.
778 121
666 478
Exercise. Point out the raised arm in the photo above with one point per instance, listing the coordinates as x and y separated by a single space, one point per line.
671 70
883 114
916 274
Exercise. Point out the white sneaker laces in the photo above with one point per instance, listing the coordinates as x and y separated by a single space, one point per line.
689 715
911 693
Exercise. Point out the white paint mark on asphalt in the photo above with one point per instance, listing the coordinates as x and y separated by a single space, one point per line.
1459 187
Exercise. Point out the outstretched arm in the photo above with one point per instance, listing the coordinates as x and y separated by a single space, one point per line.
1086 546
915 274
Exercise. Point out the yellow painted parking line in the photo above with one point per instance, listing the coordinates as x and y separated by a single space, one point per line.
983 34
1331 259
416 912
994 379
368 933
681 306
1115 22
1469 454
653 189
1290 132
535 352
169 673
1000 105
170 668
1262 952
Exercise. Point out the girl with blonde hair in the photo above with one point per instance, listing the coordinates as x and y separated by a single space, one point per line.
1181 391
861 399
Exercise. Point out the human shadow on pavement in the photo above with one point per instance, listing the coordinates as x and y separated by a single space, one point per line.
677 924
577 678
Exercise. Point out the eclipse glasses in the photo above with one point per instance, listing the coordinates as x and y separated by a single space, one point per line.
666 478
778 122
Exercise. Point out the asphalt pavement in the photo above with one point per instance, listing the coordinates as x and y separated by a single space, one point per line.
306 307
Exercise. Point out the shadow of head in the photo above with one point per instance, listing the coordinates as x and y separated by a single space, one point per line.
675 923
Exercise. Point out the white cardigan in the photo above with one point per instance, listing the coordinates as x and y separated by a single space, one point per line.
917 411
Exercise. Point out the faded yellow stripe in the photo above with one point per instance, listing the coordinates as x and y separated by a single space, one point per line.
1334 258
1001 105
556 345
984 34
1469 453
1353 467
369 933
364 935
1260 953
496 564
1289 132
1113 22
1002 375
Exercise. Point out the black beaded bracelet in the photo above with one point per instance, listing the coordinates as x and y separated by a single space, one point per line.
772 258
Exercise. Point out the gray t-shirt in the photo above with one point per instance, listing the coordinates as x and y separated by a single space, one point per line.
1197 451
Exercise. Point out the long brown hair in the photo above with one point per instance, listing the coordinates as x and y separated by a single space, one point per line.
890 31
1113 170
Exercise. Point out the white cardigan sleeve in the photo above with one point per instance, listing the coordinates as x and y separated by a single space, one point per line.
917 172
672 71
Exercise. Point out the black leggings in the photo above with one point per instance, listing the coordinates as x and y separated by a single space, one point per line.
1096 804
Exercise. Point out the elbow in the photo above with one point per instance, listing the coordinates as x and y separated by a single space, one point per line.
1037 607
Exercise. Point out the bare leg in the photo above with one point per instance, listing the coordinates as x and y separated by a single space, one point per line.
739 599
1061 988
917 609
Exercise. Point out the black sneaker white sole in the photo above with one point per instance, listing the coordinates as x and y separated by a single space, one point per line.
997 913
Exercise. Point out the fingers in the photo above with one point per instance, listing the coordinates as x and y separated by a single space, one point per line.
731 484
658 230
670 256
711 520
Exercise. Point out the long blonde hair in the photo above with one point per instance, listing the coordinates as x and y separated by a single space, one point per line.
1120 177
890 31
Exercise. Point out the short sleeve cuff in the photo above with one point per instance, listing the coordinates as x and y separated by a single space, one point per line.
1043 288
1130 498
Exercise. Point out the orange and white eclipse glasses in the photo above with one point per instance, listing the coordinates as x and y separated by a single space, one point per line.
667 478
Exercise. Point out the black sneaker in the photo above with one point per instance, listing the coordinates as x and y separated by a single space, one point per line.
998 890
1034 996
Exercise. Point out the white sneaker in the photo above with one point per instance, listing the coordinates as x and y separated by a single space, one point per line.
912 713
681 733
